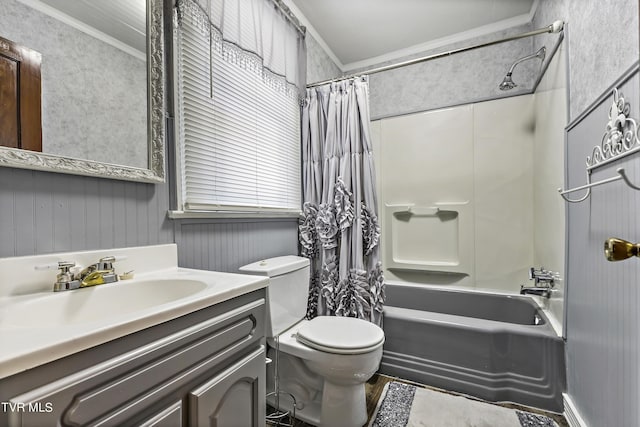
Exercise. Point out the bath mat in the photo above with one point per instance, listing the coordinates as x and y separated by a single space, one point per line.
405 405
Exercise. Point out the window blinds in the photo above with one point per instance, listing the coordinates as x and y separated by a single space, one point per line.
239 135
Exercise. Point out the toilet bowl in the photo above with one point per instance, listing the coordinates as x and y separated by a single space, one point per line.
328 384
324 362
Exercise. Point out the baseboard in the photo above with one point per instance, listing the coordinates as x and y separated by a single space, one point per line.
571 412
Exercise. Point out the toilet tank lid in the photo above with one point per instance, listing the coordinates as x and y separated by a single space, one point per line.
272 267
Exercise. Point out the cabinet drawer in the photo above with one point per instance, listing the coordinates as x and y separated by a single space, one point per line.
133 384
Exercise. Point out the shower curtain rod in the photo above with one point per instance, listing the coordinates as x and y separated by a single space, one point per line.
556 27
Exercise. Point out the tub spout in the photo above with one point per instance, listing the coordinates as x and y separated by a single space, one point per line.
535 290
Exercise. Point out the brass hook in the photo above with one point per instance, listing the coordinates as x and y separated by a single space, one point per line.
617 249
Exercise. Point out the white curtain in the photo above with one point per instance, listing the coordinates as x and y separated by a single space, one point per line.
339 230
253 34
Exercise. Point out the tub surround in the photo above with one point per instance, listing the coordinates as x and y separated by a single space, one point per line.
487 169
34 342
551 117
493 187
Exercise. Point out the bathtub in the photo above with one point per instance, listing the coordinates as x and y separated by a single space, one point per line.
499 348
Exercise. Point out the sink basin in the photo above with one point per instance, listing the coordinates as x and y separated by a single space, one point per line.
96 303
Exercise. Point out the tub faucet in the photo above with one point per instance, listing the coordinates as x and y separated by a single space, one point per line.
532 290
544 281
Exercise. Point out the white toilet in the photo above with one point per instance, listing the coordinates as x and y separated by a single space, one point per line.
323 362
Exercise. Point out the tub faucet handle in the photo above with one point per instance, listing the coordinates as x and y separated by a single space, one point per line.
543 276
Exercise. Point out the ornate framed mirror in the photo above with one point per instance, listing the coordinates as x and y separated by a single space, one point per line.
100 117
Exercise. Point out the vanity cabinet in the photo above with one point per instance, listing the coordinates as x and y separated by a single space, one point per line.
205 368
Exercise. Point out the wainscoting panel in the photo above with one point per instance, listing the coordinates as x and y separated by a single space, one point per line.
228 245
603 299
42 212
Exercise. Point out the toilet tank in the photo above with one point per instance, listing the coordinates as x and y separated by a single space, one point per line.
287 292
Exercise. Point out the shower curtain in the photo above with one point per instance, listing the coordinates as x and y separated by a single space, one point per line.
339 228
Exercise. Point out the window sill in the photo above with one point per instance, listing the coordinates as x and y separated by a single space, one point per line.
175 214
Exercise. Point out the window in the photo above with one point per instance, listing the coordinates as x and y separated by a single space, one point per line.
238 125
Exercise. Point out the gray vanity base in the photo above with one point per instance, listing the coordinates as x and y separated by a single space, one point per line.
208 366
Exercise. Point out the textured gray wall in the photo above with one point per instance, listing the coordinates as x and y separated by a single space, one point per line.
603 42
603 299
93 94
462 78
319 65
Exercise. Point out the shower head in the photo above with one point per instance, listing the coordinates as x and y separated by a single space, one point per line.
507 82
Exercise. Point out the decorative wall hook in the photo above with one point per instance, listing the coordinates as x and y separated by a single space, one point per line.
617 249
619 140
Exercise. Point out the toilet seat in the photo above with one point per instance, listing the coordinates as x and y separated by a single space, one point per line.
340 335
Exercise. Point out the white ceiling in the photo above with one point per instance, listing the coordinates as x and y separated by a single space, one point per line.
122 20
360 33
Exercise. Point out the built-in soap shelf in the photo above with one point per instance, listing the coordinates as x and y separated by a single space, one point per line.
429 238
619 140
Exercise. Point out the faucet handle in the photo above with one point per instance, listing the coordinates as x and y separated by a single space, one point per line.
534 274
64 266
106 263
55 265
65 279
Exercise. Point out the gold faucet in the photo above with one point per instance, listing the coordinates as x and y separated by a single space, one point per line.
99 273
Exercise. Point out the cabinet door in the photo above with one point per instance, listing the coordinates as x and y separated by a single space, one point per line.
233 398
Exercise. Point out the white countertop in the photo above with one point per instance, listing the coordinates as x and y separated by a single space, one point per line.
26 344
